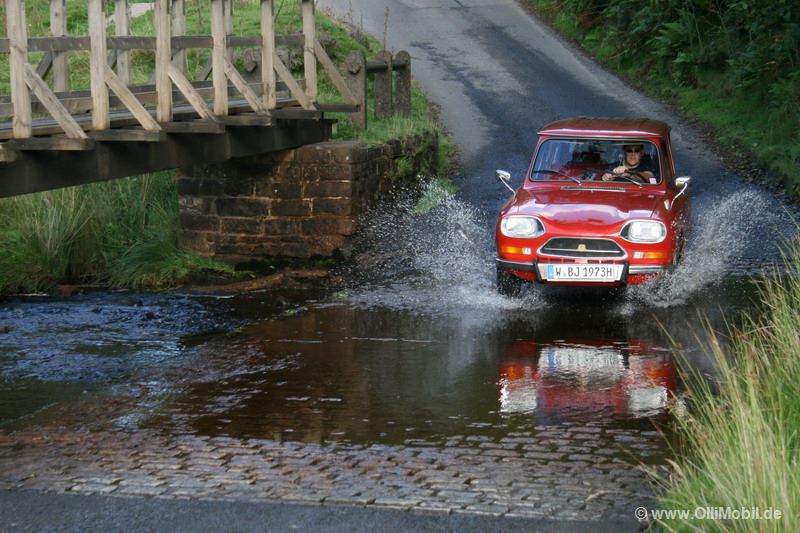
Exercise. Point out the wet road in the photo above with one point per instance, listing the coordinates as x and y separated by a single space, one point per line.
411 385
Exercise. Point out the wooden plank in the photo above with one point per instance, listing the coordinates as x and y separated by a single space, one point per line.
293 113
178 30
194 98
356 72
16 29
309 58
333 73
244 89
267 52
129 100
53 105
202 126
218 55
45 65
54 143
402 97
249 119
163 61
81 102
7 155
58 28
383 87
228 12
97 65
128 135
73 43
122 28
287 78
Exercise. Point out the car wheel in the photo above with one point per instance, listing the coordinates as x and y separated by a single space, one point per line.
508 284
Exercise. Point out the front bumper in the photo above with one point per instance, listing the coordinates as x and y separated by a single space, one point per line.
536 268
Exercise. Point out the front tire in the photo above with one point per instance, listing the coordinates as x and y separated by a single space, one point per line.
508 284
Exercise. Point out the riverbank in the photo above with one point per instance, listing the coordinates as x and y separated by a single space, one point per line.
740 444
729 67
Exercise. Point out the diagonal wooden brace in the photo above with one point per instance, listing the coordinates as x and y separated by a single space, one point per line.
131 102
52 104
242 86
194 98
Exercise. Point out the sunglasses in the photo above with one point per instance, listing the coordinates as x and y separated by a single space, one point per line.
635 150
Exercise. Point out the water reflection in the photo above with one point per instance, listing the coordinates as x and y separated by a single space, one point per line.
562 379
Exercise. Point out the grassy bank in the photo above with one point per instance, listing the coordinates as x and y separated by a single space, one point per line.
734 65
742 442
123 233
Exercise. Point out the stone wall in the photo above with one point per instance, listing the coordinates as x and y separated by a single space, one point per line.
298 203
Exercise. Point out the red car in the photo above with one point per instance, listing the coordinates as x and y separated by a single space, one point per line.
600 206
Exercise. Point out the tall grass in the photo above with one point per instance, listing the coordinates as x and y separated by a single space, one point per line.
743 441
122 233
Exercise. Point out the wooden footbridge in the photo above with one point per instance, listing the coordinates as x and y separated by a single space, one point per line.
56 137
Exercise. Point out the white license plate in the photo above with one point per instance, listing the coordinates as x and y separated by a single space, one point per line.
577 272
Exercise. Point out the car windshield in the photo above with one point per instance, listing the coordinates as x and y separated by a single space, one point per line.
582 160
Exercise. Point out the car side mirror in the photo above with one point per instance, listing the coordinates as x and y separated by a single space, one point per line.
683 183
505 178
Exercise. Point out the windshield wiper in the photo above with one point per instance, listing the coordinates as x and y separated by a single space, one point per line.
573 178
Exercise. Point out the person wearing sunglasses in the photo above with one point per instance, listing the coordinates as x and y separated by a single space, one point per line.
637 166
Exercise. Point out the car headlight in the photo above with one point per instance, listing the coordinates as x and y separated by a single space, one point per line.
521 227
649 231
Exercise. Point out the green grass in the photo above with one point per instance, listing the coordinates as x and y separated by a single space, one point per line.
741 443
123 233
120 232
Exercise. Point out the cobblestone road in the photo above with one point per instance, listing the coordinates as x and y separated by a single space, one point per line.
557 472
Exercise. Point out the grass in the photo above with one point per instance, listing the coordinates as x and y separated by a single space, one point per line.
123 233
741 443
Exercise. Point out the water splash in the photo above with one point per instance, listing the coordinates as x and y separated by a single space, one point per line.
431 253
718 239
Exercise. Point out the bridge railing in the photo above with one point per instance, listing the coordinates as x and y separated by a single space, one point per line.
215 103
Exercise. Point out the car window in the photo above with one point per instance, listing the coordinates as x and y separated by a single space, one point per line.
588 159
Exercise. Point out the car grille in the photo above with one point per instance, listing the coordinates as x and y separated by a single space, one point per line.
571 247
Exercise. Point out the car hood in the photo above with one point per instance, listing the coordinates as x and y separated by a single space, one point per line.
586 206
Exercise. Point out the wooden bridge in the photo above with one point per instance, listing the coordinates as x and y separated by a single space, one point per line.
57 137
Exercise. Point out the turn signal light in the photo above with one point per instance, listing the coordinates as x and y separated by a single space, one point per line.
515 250
649 255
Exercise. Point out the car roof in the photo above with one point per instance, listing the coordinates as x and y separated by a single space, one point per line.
607 127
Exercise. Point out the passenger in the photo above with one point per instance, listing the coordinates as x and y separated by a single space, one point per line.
637 166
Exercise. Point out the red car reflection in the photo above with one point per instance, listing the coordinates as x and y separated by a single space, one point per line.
601 204
631 379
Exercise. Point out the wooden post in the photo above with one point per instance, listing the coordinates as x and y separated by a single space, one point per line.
228 9
218 55
122 28
402 103
58 28
97 65
309 59
18 57
383 87
163 61
356 76
267 51
179 30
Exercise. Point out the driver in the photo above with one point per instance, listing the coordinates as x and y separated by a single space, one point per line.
636 166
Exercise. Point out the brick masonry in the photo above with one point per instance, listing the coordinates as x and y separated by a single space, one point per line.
298 203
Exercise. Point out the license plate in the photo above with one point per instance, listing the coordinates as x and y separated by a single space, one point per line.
576 272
